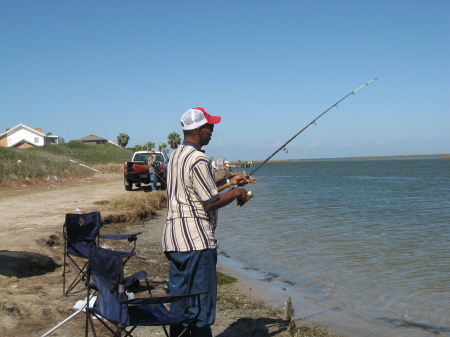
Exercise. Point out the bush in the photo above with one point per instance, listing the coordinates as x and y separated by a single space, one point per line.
54 161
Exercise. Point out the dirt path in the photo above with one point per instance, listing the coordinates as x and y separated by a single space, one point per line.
30 214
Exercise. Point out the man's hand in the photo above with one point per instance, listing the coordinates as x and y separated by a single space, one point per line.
242 197
241 180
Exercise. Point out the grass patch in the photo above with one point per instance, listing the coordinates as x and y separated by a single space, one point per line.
58 161
223 279
138 206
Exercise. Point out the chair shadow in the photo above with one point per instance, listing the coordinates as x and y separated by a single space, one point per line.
25 264
261 327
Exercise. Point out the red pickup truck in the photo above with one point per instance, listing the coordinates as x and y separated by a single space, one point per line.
136 171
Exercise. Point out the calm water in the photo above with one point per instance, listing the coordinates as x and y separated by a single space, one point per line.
371 237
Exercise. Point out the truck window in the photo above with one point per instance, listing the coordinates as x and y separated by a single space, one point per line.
139 157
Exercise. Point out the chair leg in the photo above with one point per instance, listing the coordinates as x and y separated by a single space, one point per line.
90 323
80 276
148 287
178 330
128 332
64 274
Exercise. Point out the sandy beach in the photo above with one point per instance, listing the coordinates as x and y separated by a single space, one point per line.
32 302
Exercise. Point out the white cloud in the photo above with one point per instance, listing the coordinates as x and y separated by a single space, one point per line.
313 144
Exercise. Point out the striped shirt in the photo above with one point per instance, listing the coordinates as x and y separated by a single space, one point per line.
190 185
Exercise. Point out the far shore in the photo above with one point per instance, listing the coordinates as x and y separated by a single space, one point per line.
400 156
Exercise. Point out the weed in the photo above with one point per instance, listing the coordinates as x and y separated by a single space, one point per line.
223 279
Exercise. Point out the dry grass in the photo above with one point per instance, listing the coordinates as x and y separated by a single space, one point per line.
134 207
55 163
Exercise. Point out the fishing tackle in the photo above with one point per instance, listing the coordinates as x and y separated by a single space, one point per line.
283 147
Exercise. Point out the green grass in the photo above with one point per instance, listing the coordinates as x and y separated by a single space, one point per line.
54 161
223 279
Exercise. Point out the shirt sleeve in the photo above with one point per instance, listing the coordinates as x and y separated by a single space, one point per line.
204 183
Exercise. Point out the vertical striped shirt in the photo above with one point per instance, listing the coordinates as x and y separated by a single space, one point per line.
190 185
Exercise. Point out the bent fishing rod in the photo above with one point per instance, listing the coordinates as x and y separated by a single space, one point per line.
313 122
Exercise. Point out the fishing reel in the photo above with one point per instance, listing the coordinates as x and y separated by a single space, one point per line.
249 195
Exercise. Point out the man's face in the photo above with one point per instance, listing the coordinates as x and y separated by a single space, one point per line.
206 133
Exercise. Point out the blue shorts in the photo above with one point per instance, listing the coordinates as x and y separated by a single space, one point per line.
193 272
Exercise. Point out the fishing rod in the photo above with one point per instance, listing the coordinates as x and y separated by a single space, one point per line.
313 122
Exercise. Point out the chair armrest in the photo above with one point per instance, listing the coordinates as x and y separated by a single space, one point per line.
128 281
162 299
129 237
122 255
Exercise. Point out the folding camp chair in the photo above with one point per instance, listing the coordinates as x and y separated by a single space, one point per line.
81 234
121 315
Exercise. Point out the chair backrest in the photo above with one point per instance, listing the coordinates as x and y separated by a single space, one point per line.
106 272
80 232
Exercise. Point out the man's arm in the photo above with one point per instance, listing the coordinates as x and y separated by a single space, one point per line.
225 199
238 179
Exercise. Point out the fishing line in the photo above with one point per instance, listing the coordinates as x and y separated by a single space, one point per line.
283 147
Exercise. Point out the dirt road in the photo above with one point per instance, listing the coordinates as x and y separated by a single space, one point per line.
29 215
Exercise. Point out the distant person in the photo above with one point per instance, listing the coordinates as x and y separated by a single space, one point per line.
152 172
192 202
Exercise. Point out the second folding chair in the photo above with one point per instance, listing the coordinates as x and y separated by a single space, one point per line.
120 315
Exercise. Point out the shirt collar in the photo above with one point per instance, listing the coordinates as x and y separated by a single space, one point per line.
186 142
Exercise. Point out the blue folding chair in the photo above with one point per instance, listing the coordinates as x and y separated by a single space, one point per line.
81 234
120 315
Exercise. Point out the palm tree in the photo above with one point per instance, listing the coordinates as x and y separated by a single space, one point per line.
149 146
173 139
122 140
163 148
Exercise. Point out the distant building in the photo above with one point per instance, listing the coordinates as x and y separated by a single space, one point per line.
22 137
93 140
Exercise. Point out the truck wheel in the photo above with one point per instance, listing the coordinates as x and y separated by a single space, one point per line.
128 184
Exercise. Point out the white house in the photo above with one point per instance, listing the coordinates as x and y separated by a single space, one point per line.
22 136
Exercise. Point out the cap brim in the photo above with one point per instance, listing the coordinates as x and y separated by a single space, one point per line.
214 119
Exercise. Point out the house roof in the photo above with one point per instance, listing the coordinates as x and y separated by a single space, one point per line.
91 138
20 142
23 127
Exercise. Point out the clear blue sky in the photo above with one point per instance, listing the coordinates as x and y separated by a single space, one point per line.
75 68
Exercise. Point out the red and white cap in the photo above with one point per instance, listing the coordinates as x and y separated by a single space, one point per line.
196 117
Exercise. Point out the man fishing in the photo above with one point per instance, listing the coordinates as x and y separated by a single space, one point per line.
192 202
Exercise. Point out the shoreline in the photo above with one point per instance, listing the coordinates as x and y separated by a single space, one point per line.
305 311
274 295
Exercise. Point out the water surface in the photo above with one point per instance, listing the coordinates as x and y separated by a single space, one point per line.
371 237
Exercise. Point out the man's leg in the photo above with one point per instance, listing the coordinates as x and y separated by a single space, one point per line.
193 272
153 180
